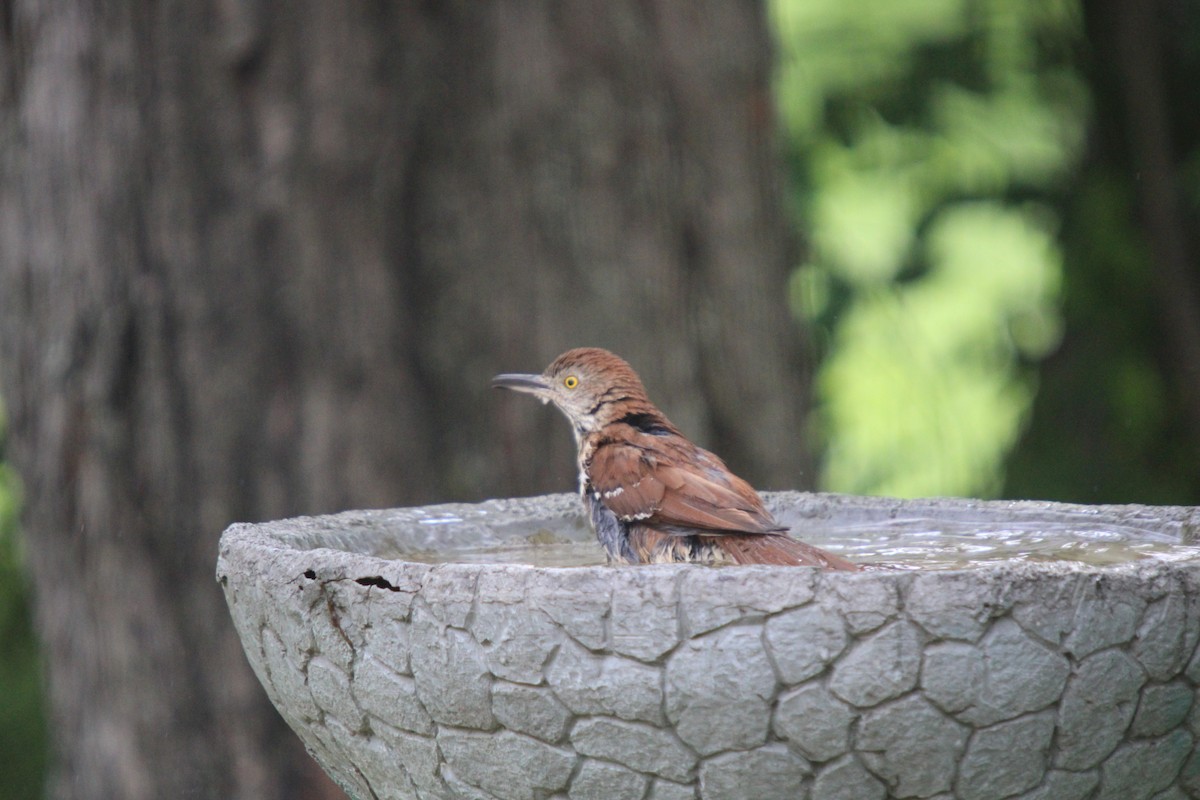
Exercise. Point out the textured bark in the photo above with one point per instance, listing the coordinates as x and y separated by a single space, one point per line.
1117 413
260 259
1136 32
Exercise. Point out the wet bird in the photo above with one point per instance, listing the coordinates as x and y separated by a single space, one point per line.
653 496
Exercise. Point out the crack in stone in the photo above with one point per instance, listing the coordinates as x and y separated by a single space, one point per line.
378 581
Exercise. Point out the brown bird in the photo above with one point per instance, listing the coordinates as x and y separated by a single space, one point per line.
653 496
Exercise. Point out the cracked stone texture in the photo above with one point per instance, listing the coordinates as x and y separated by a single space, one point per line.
530 709
814 722
777 773
721 676
1008 673
911 765
638 746
1048 681
1006 758
1096 709
587 684
1162 708
847 779
506 764
600 780
881 666
805 641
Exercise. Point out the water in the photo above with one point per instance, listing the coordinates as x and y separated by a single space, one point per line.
922 544
561 553
895 544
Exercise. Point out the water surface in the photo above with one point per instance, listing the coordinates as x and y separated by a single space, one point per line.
896 544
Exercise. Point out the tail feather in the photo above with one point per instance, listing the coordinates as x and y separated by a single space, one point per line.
651 546
780 549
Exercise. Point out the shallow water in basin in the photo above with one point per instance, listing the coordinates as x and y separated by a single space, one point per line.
917 545
896 544
562 553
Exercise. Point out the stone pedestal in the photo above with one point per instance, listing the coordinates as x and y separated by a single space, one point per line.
1055 681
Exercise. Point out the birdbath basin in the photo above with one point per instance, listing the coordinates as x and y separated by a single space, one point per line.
1008 650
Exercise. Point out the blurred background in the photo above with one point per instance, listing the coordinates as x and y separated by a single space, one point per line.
260 259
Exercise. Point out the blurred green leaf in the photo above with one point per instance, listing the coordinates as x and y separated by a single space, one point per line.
22 726
912 127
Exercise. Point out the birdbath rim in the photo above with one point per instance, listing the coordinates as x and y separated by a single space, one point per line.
367 536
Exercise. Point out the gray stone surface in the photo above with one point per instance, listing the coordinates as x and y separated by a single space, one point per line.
912 765
1006 758
711 598
1036 681
1007 674
1096 709
517 640
452 677
864 602
1046 609
577 600
1060 785
884 665
587 683
669 790
1161 642
505 764
1162 708
286 679
952 675
770 771
331 692
600 780
418 754
638 746
1139 769
389 645
814 722
1174 793
390 697
1104 617
532 710
951 607
1189 776
847 779
805 641
1193 667
644 618
719 690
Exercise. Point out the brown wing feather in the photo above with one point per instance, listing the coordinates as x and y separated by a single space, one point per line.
625 481
635 484
688 505
697 501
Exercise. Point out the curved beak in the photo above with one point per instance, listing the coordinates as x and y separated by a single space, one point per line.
518 382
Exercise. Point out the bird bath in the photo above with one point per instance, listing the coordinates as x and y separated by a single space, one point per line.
418 658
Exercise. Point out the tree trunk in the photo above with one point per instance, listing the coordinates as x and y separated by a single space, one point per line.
260 259
1136 34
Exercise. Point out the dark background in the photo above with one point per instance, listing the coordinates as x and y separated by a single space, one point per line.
260 259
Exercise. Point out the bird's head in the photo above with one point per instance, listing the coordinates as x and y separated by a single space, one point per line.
592 387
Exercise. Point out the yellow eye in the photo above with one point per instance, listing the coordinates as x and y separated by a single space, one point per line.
570 382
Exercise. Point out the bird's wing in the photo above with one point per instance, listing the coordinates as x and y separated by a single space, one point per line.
638 484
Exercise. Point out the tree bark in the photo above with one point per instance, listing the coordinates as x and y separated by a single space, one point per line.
1136 31
260 259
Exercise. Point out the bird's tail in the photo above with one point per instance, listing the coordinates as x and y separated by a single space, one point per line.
780 549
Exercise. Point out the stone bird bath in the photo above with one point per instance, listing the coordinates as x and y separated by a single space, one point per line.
1039 680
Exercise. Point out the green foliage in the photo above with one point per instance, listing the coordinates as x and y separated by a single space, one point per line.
927 139
22 728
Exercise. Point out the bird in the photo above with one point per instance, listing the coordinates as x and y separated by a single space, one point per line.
653 496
